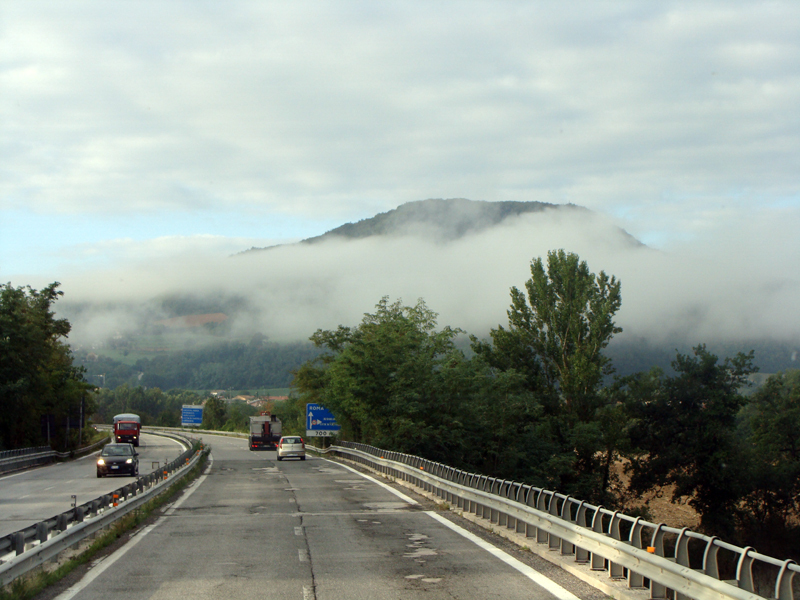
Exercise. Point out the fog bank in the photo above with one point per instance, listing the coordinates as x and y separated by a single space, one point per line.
734 284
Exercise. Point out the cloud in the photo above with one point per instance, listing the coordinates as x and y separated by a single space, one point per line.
338 109
143 143
731 289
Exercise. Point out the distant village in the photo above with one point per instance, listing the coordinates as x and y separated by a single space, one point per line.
259 402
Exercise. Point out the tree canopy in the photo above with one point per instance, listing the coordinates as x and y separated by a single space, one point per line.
41 392
385 379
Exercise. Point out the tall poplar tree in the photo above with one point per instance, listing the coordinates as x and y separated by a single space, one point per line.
557 330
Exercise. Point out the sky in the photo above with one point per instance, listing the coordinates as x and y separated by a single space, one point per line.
144 143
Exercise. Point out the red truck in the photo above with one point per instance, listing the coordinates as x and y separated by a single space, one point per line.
127 428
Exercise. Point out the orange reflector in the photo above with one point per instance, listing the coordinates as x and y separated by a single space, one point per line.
651 549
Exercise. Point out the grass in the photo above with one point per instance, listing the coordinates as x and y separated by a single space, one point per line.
33 583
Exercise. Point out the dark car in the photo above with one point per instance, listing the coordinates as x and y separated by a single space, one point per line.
116 459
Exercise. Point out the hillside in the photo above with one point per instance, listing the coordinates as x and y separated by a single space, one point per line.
444 220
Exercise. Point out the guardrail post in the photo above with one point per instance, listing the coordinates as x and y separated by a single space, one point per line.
511 494
682 556
784 582
567 548
710 565
553 542
61 522
497 489
532 531
502 491
522 494
541 534
598 562
615 571
635 580
744 570
41 532
18 542
581 554
489 487
658 590
80 513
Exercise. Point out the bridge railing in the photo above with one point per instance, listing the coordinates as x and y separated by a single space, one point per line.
666 562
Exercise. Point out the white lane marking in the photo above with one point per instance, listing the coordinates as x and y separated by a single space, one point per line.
308 592
25 496
48 488
537 578
15 475
302 555
98 570
104 564
298 531
373 480
181 444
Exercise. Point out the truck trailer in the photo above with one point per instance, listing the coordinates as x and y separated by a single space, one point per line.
127 428
265 432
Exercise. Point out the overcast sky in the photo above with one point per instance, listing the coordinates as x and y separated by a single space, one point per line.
135 130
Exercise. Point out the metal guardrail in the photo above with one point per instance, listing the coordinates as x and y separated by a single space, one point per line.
4 454
669 563
28 548
22 458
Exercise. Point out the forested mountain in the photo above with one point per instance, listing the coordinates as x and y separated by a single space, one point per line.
223 365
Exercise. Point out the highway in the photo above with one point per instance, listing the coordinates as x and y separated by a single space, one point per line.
37 494
252 527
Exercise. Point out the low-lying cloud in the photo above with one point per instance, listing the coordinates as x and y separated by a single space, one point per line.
734 286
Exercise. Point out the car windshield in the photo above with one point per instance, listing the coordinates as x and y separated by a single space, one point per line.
117 451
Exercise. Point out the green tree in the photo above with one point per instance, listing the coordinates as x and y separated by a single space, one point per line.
773 418
567 319
554 340
384 379
38 382
214 414
685 434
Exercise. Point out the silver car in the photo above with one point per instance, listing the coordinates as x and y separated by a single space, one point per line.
291 446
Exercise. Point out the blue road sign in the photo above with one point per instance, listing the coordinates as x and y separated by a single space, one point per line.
191 415
320 422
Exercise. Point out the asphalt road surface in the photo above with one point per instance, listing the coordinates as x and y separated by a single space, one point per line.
34 495
252 527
